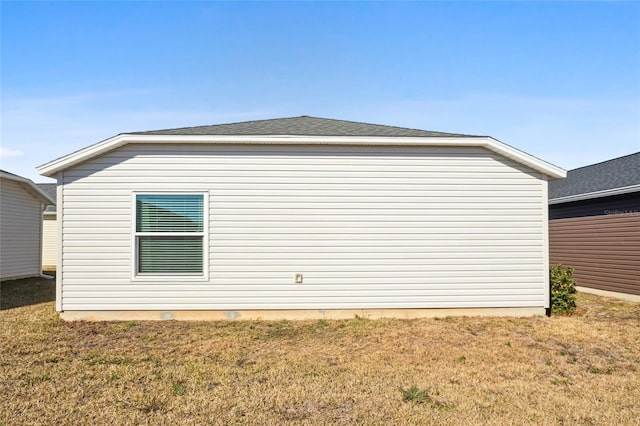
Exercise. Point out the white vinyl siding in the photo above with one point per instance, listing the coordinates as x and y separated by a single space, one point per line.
20 224
368 227
49 242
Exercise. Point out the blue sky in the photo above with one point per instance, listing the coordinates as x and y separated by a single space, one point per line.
558 80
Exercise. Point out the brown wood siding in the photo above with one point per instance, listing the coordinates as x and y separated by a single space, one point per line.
604 250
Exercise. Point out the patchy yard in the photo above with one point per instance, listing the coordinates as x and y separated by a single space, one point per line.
562 370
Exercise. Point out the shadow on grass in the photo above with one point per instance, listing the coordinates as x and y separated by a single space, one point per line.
25 292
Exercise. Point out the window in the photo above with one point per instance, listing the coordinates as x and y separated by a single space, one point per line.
169 234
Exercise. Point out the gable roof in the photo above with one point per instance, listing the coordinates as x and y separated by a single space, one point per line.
302 130
301 126
28 185
616 176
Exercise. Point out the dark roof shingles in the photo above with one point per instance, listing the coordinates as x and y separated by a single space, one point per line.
50 190
300 126
611 174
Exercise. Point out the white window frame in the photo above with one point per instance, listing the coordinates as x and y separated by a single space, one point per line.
204 276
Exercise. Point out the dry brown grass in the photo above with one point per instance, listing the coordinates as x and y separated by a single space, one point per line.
563 370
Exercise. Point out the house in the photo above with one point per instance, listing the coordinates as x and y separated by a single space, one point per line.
301 217
49 229
21 206
595 226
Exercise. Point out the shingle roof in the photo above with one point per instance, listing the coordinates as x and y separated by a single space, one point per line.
301 130
616 173
301 126
50 190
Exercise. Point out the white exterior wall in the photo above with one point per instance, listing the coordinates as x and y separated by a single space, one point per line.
369 227
49 241
20 224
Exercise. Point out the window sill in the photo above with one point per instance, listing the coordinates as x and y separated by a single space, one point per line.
180 278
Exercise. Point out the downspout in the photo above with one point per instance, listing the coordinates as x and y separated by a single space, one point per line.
547 311
545 236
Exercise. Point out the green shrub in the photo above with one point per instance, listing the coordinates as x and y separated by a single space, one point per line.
563 290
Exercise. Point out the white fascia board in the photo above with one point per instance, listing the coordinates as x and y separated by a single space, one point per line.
526 159
31 187
51 168
596 194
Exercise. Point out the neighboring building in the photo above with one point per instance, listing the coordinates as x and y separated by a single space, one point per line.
301 218
595 224
21 206
49 229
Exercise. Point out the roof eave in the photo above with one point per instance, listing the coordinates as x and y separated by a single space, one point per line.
552 171
596 194
31 187
50 169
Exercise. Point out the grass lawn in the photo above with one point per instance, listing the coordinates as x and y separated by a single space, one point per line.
582 370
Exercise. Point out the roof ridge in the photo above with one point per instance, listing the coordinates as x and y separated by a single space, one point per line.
605 161
381 125
334 120
209 125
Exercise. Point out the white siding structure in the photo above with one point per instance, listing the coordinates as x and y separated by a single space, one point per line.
295 228
21 206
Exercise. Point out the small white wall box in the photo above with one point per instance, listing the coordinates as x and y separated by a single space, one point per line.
298 279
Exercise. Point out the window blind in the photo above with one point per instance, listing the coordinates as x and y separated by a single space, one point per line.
169 254
169 213
167 217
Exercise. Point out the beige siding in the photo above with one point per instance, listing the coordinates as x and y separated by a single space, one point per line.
49 242
20 222
369 227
